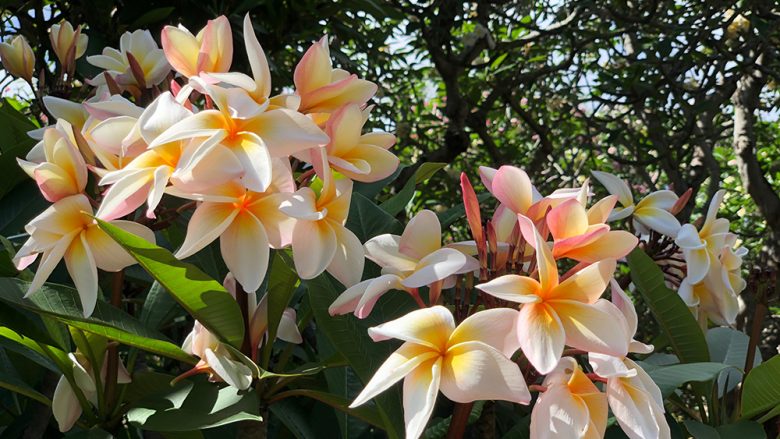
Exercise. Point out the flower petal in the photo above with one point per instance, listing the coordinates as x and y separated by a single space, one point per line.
421 387
427 326
384 250
314 245
614 244
512 287
592 327
586 285
65 405
435 267
348 260
512 187
541 334
207 223
253 154
422 235
658 219
558 414
474 371
495 327
244 247
287 132
568 219
110 256
545 263
232 372
615 186
83 271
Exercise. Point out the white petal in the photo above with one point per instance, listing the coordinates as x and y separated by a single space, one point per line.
419 393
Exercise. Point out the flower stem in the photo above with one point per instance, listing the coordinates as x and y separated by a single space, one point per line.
460 418
112 360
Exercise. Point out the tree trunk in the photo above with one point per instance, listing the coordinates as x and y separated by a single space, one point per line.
746 102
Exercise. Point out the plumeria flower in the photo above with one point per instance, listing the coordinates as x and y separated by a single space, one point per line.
554 314
324 89
652 212
363 157
702 246
215 359
571 407
211 50
258 320
253 134
715 297
258 87
147 68
66 230
410 261
18 57
147 175
112 132
247 223
636 400
68 44
65 404
582 235
56 164
320 241
467 363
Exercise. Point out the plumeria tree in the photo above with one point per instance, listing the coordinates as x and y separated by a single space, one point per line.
227 269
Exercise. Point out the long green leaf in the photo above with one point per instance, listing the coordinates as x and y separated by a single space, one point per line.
670 378
365 413
398 203
729 346
367 220
671 313
62 303
761 391
203 297
194 404
10 379
281 285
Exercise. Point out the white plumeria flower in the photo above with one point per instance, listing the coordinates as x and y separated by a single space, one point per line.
215 359
700 247
636 400
410 261
652 212
67 230
65 404
570 407
467 363
141 45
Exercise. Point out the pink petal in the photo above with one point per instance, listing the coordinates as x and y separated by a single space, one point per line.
512 187
422 235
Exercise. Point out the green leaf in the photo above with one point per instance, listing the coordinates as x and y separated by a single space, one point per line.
203 297
153 16
730 346
19 206
366 412
670 378
669 310
10 379
47 356
349 337
367 220
449 216
194 404
737 430
761 391
63 303
157 305
281 285
398 203
294 418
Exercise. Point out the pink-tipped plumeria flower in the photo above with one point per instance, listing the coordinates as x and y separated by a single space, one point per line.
636 400
67 230
408 262
138 62
571 407
361 157
652 212
65 404
258 87
582 235
247 224
554 314
215 359
145 177
320 241
324 89
467 363
211 50
258 320
56 164
253 134
701 247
